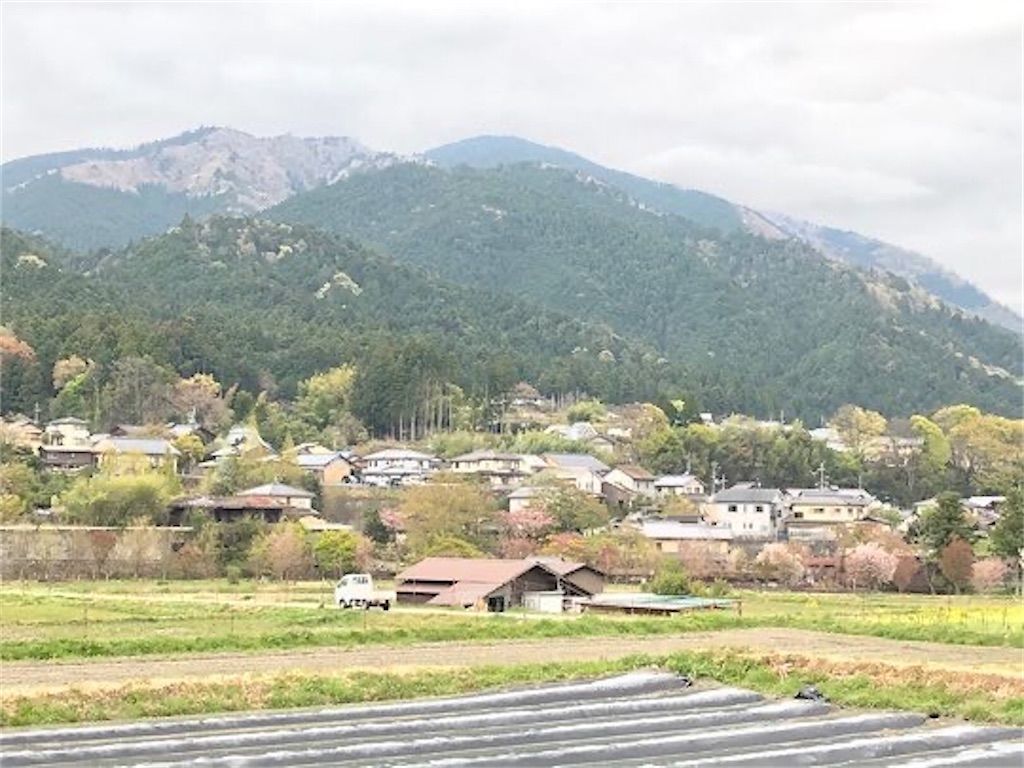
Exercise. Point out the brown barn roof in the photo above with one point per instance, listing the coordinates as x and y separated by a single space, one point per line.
452 569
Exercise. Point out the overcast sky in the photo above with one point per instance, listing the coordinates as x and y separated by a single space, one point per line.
898 120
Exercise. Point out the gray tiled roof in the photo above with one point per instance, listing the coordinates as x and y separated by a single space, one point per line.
740 494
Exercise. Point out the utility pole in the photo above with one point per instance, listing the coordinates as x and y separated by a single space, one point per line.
821 476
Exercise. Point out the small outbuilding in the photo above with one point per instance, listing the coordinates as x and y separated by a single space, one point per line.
494 584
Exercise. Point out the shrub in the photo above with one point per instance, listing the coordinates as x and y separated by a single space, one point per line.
671 579
778 562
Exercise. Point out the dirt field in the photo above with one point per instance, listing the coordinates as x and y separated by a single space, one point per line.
38 677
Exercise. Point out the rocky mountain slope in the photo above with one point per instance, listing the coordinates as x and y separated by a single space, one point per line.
103 198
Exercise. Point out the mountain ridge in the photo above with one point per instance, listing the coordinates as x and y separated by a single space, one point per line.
847 246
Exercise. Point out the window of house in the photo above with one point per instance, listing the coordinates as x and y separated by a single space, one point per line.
798 515
732 507
759 508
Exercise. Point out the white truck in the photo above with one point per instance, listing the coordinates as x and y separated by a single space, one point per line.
355 590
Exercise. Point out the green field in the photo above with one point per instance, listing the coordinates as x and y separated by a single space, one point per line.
94 619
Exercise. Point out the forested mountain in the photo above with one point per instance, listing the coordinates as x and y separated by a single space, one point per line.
712 211
869 253
769 323
96 198
492 151
103 197
263 305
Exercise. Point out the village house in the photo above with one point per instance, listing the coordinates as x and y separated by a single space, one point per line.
501 470
397 466
21 432
582 469
67 458
813 514
494 585
671 536
329 468
270 503
129 455
525 497
582 432
748 510
635 479
679 485
67 431
241 441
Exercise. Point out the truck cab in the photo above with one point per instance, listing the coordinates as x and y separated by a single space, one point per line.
356 590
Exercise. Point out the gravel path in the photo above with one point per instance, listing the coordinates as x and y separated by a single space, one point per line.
38 676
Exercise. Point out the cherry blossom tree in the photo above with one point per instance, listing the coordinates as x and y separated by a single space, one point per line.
869 565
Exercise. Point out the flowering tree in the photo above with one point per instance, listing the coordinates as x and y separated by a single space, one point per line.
284 552
907 569
988 575
779 562
869 565
529 523
956 561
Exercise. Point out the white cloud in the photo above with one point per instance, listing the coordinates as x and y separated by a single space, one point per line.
899 120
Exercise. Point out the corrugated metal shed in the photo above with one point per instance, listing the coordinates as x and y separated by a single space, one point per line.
638 719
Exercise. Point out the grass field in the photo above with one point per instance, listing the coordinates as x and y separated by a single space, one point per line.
95 619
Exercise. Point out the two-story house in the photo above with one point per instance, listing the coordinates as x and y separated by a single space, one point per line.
679 485
501 470
582 469
397 466
815 513
748 510
635 479
128 455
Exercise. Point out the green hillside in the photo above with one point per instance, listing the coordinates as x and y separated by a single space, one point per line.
768 325
493 151
264 305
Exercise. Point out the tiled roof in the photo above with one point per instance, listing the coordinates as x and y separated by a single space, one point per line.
399 453
635 472
670 530
146 446
742 493
280 490
576 461
316 460
676 481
